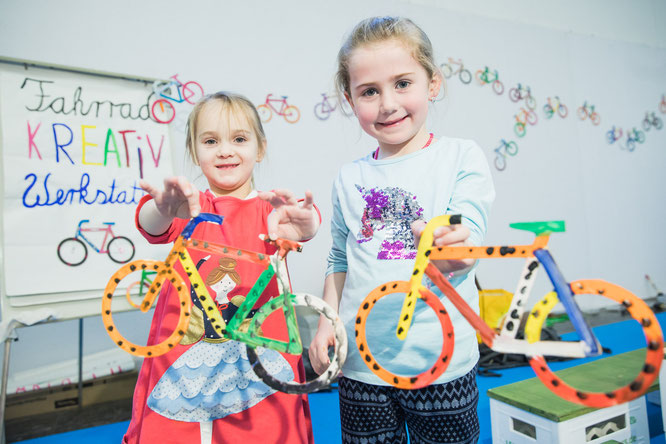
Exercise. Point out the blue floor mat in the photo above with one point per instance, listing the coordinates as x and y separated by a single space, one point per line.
325 412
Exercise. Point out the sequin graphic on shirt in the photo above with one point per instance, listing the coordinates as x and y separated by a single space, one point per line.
391 210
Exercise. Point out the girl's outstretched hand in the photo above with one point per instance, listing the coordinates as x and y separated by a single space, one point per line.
291 219
449 236
179 198
318 351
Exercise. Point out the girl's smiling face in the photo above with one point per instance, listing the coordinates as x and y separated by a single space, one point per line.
227 150
390 92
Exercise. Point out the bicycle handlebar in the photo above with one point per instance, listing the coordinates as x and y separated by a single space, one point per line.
203 217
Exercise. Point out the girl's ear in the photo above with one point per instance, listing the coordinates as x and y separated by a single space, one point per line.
262 150
435 86
349 100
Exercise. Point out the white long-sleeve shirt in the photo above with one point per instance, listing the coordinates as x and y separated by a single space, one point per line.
374 204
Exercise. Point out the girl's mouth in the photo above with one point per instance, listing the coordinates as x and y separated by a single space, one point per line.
227 166
392 123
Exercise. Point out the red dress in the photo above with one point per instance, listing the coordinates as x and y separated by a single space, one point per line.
280 417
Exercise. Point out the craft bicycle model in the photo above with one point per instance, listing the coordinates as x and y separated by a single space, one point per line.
173 90
634 135
72 251
613 135
324 108
506 341
290 112
463 74
251 336
505 148
484 76
553 106
585 111
523 92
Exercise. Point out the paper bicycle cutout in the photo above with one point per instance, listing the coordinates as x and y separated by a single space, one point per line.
252 337
506 342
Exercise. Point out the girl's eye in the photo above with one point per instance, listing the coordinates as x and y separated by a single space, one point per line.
402 84
369 92
209 141
240 139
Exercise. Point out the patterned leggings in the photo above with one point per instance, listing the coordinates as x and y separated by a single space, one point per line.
441 413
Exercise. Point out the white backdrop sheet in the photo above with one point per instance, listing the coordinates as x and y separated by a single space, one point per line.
74 147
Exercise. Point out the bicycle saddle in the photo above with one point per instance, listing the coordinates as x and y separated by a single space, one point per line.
540 228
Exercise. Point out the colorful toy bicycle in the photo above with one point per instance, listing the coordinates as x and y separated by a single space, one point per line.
251 336
634 135
613 135
173 90
651 120
524 117
463 74
484 76
506 341
555 106
521 92
290 113
72 251
505 148
586 111
324 108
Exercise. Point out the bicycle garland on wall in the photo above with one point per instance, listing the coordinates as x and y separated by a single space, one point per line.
173 92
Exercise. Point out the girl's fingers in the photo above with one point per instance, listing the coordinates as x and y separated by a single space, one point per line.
193 203
286 196
272 224
148 188
309 200
457 234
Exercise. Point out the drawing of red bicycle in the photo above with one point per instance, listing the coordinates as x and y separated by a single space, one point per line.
173 90
290 113
72 251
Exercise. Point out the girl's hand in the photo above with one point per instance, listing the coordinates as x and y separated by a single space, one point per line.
450 236
179 198
290 219
318 351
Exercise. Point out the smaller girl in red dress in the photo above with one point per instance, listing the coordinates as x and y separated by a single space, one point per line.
204 389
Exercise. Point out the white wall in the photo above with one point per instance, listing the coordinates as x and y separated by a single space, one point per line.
610 52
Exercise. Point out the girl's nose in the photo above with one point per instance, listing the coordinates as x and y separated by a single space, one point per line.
224 150
388 103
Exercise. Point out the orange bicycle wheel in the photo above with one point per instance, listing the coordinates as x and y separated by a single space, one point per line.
405 382
164 274
291 114
638 310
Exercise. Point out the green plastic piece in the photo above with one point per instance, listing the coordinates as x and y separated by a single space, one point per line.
252 337
294 345
540 228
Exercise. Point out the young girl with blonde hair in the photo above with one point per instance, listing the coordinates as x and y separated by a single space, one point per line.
381 202
204 390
